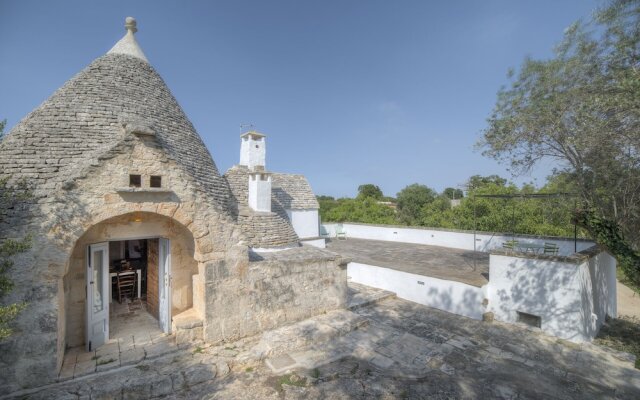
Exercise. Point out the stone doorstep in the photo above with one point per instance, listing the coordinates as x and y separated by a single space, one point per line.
187 319
131 357
194 375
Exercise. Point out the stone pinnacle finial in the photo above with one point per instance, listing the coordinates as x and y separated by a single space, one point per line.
128 44
130 24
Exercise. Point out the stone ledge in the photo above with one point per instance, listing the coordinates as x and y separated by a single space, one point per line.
143 190
576 258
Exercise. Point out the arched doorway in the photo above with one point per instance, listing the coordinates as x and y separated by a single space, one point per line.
157 251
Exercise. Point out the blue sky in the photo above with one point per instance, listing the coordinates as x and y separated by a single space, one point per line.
348 92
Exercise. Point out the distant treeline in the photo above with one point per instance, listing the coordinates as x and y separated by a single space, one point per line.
419 205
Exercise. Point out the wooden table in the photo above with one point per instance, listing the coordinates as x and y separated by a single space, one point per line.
115 274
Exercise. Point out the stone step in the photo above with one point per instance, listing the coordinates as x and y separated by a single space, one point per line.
188 327
361 295
316 330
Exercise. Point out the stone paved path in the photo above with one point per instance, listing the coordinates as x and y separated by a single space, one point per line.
388 349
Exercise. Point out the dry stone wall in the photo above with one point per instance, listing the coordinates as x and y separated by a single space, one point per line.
61 218
249 294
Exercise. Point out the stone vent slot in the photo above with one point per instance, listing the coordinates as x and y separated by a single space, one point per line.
155 181
135 180
529 319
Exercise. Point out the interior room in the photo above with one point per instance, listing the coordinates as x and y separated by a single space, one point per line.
133 270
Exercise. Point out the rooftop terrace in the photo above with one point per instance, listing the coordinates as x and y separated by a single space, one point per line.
434 261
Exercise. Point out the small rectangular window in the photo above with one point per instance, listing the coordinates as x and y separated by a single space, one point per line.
155 181
529 319
135 180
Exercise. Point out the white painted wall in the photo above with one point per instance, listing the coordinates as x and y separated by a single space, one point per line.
485 242
571 297
253 150
454 297
320 243
305 222
260 191
602 271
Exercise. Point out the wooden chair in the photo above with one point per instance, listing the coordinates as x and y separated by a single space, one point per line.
127 285
551 248
340 232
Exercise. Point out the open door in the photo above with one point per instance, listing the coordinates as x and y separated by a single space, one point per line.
164 284
97 274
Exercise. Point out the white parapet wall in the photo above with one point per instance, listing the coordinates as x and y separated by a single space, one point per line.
305 222
569 296
463 240
454 297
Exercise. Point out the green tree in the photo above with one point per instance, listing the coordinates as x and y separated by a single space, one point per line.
411 199
369 190
326 204
452 193
478 181
581 108
366 210
438 213
10 195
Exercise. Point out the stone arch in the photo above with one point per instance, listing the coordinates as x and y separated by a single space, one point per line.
187 270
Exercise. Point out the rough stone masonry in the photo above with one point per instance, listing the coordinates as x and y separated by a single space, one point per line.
76 152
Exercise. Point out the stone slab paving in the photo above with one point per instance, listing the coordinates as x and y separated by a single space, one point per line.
361 296
434 261
391 349
135 336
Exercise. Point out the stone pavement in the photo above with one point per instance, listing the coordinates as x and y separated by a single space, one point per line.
134 334
360 295
407 342
388 349
434 261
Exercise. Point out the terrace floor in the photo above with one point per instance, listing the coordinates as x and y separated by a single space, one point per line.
433 261
134 335
388 348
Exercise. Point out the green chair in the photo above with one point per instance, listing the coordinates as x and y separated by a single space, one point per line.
323 232
510 245
340 232
551 249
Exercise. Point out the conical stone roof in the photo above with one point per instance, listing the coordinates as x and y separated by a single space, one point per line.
87 116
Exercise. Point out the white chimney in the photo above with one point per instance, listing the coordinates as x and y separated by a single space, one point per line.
260 191
253 150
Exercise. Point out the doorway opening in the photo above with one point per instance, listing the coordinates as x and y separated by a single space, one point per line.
133 273
128 291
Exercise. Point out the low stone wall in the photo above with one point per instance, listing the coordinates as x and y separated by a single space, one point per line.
245 295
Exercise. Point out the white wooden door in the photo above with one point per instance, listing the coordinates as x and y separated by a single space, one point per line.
164 284
97 273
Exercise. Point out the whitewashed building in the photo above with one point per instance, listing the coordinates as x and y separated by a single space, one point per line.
275 196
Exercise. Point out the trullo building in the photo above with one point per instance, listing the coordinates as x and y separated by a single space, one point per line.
121 183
